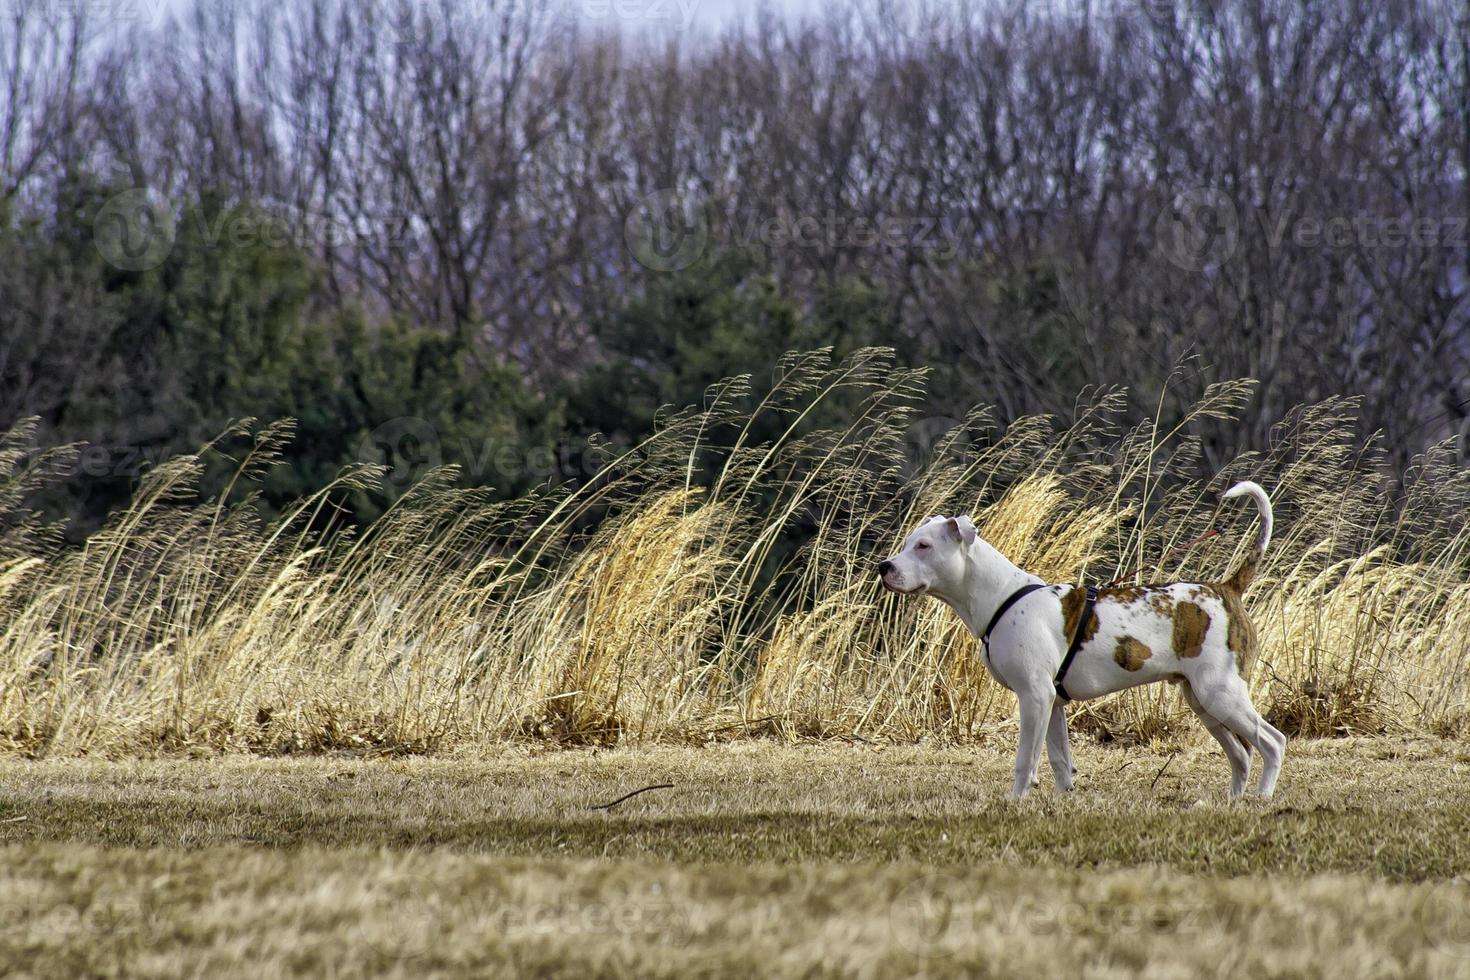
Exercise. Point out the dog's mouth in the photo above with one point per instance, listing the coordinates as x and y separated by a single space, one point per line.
916 590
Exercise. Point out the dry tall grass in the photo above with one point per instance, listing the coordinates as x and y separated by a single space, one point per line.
685 614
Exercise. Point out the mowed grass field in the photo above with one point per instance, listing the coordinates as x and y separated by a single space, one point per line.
343 751
763 858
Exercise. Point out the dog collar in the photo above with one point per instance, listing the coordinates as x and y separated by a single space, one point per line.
1010 601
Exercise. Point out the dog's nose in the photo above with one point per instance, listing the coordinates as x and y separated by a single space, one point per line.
884 567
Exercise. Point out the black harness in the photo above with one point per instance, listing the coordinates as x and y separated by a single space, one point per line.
1076 640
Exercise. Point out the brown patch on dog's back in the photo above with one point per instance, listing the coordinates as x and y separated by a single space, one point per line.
1131 654
1126 595
1072 605
1190 625
1161 602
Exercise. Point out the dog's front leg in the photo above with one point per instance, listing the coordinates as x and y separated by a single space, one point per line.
1059 749
1034 710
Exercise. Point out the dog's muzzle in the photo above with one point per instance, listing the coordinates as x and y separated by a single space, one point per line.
884 568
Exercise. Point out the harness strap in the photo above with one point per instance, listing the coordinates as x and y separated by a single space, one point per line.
1076 642
1010 600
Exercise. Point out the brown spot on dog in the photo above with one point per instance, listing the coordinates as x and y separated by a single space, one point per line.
1190 624
1162 603
1072 605
1242 577
1240 634
1126 595
1131 654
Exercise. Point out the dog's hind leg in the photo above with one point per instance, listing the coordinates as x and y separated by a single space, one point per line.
1228 699
1236 750
1059 749
1035 707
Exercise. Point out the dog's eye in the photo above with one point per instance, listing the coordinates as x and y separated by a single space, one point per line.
922 545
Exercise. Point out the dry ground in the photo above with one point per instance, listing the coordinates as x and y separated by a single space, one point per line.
806 860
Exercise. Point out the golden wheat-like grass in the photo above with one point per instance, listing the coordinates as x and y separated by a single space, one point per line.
725 586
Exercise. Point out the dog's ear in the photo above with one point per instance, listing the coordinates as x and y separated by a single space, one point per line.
963 529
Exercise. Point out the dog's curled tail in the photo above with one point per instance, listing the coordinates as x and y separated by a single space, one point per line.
1242 577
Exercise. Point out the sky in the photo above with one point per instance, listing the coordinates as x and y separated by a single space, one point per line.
633 14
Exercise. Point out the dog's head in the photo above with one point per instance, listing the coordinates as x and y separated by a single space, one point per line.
932 558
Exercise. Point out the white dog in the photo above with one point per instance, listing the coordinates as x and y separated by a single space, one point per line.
1055 643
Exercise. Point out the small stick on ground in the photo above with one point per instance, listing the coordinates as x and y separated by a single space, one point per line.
629 796
1162 768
